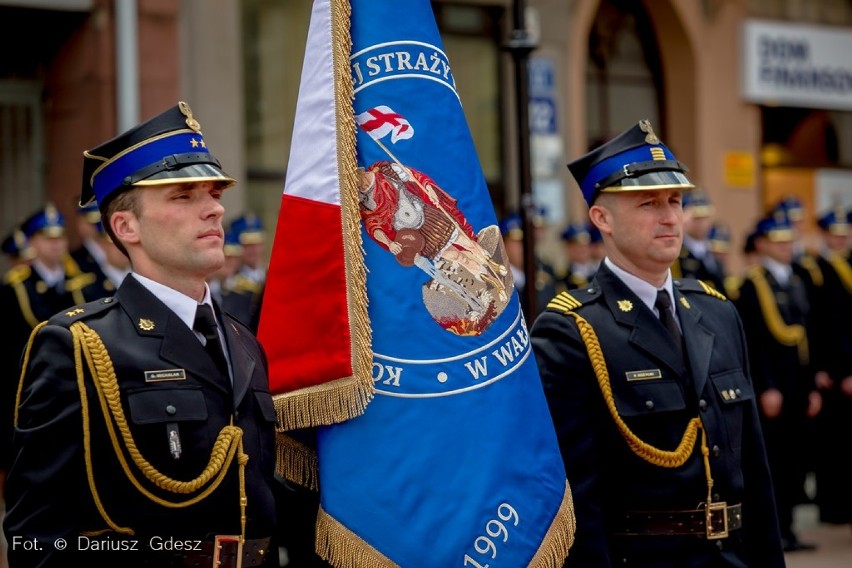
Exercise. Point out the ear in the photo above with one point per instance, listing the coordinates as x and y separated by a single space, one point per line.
601 218
125 225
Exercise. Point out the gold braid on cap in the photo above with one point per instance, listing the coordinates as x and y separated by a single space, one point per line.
790 335
90 349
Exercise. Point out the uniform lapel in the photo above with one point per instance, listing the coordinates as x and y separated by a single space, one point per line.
242 362
645 330
697 340
178 345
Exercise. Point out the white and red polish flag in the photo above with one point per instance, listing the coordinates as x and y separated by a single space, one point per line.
381 120
313 324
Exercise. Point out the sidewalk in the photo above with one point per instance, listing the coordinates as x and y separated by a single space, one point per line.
834 542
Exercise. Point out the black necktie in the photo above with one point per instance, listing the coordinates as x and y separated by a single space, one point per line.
205 323
667 317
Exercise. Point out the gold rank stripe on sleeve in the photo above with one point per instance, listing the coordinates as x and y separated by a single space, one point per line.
564 302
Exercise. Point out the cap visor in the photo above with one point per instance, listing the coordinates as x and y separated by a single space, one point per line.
188 174
651 181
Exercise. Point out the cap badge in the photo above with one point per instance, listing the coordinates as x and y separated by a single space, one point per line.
651 137
146 324
190 120
625 305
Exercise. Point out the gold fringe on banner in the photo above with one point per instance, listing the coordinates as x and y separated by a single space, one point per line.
296 462
342 548
347 166
560 536
321 405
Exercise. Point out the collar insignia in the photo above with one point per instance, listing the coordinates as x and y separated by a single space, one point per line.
146 324
625 305
684 302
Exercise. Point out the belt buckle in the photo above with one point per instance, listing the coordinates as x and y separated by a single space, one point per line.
711 508
219 541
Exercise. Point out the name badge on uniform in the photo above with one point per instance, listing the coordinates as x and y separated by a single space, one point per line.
165 375
648 375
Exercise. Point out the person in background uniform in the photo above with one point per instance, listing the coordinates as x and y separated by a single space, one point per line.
719 243
581 267
830 295
648 383
145 418
16 248
32 291
511 228
598 250
252 238
792 209
773 305
97 254
238 294
696 260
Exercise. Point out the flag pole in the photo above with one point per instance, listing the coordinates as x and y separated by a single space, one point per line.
520 45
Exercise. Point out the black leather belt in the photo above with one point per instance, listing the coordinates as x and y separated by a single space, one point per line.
223 552
713 522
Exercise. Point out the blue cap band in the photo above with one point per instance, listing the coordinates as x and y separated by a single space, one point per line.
112 174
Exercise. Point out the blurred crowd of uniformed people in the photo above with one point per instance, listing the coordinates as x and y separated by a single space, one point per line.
794 296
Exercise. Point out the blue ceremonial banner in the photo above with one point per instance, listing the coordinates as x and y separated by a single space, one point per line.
454 461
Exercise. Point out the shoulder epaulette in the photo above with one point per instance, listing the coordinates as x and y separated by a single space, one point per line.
242 284
82 311
566 302
694 285
17 274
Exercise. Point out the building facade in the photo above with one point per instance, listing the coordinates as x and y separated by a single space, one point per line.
754 96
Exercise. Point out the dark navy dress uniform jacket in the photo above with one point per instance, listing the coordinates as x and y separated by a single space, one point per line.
606 477
47 488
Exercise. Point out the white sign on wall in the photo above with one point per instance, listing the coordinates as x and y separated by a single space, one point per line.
797 65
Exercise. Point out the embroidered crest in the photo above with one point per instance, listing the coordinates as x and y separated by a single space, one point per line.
146 324
685 302
625 305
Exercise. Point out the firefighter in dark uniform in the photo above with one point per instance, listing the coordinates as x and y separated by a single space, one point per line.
92 255
696 259
144 428
16 248
831 352
581 267
512 230
774 308
648 384
238 294
32 292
